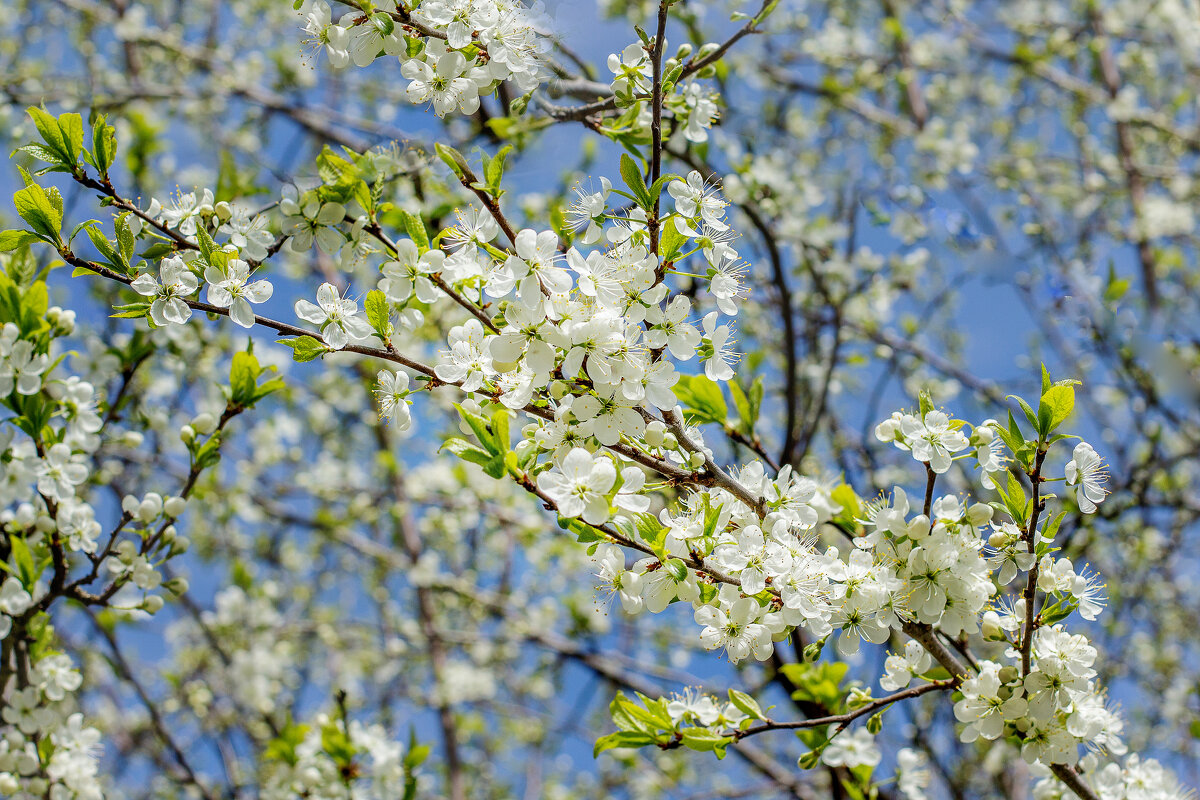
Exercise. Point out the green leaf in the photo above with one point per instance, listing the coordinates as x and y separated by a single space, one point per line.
479 427
12 240
1012 437
206 244
702 399
925 402
36 207
71 125
493 170
41 153
583 532
125 238
157 250
766 12
23 559
101 243
647 528
676 569
283 747
35 302
500 433
634 180
383 23
1056 405
104 145
131 311
379 313
243 377
746 704
742 404
670 240
415 227
817 683
703 740
1029 413
621 739
305 348
452 158
1014 498
1052 525
51 134
337 744
466 451
847 498
1057 612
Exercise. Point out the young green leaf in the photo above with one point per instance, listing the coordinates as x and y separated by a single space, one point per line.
37 208
305 348
379 313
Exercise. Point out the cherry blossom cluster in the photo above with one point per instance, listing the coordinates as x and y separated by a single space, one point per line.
49 441
754 574
1053 709
47 749
695 106
451 51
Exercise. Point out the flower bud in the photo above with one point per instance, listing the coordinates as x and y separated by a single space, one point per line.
1008 674
152 503
223 211
991 627
188 434
45 523
177 586
174 506
670 442
152 604
204 423
919 527
524 448
132 439
656 433
979 514
696 460
886 431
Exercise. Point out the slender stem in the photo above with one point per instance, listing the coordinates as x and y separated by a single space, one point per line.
1030 536
930 480
841 720
1074 781
656 107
